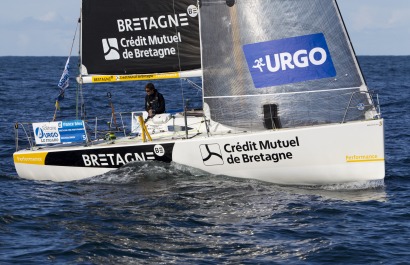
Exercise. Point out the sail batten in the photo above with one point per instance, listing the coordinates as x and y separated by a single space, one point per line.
288 93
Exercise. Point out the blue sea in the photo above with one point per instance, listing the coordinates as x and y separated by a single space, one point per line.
168 214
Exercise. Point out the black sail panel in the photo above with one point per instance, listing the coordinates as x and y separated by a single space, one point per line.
137 37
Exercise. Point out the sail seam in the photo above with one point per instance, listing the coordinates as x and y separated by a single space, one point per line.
286 93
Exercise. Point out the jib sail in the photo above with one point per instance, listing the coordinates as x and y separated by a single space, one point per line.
287 61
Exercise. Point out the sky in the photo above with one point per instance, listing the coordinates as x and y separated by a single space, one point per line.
47 27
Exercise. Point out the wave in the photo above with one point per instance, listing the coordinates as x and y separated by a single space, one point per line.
146 171
359 185
159 177
8 177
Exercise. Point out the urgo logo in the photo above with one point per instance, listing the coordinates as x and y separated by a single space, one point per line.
290 60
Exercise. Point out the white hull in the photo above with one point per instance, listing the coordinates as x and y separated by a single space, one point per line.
326 154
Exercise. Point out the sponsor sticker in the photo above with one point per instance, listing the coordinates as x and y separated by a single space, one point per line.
151 36
47 132
289 60
59 132
363 158
249 152
32 158
117 157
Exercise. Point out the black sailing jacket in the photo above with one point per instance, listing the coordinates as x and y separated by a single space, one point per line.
156 102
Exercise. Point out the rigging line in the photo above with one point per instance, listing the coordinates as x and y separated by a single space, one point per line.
190 82
287 93
75 35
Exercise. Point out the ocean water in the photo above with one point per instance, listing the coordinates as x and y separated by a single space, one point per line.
167 214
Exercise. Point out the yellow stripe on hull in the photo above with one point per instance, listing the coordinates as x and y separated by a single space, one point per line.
363 159
33 158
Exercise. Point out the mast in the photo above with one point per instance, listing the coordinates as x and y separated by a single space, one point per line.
79 84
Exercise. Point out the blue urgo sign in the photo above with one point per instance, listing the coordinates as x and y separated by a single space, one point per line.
290 60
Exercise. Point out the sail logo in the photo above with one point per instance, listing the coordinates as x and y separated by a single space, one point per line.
290 60
192 11
111 49
286 60
155 23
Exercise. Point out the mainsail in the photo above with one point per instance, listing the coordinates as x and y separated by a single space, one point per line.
121 39
293 55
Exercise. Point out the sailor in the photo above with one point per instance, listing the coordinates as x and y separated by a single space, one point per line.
154 101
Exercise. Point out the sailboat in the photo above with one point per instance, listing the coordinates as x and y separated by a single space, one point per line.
284 98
